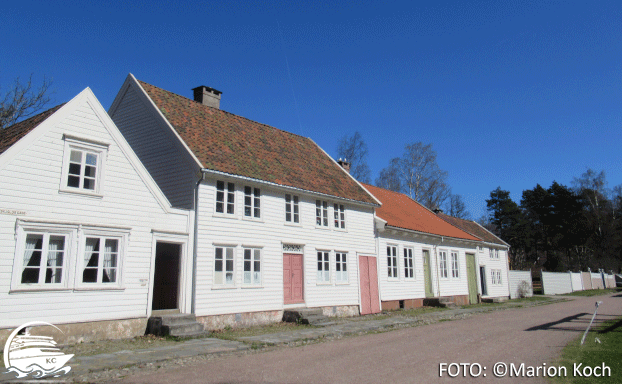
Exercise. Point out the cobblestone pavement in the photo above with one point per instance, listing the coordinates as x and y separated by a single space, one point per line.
116 365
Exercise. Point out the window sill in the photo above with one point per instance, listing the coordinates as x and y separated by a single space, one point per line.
99 288
225 215
291 224
223 287
253 219
79 192
322 227
39 289
340 229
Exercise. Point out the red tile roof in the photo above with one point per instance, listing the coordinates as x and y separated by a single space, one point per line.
11 135
472 228
400 211
235 145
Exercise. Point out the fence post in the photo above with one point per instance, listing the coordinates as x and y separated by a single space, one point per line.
588 327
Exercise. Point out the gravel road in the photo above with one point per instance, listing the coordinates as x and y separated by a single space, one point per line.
533 336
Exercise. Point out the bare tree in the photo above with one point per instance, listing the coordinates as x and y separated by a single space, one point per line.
22 101
455 207
419 175
389 177
354 150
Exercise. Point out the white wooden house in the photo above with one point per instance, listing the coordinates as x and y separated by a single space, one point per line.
422 259
81 224
492 259
279 224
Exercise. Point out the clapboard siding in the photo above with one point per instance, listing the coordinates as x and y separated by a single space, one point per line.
576 281
402 288
484 259
516 279
30 182
270 233
556 283
171 168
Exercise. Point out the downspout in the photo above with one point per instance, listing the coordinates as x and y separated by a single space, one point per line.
195 243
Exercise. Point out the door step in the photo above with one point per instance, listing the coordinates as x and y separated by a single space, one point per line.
441 302
178 325
313 316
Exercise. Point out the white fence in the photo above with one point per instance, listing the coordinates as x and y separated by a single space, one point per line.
554 283
516 279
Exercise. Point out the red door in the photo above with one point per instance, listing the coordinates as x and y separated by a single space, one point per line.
369 285
292 279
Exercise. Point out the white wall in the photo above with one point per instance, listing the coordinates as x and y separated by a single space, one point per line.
30 183
270 233
484 259
402 288
515 280
576 281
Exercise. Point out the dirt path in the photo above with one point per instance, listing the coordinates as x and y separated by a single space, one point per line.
532 336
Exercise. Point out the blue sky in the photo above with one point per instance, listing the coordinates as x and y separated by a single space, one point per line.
510 94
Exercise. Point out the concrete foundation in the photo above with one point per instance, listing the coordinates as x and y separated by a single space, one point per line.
392 305
240 320
341 311
89 331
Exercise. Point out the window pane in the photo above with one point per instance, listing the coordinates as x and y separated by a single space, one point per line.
89 184
89 171
91 159
75 157
73 181
89 275
74 169
91 254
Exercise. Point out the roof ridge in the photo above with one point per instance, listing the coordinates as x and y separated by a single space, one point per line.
222 110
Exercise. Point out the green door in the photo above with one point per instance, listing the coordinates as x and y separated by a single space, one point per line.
427 276
472 277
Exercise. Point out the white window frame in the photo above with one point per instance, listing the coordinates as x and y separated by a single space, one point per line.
228 198
46 231
323 267
225 270
321 213
252 202
455 265
442 264
102 234
341 267
292 207
393 267
409 263
339 213
499 281
255 279
494 253
84 145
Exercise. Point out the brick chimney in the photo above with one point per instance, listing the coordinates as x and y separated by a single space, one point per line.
207 96
344 164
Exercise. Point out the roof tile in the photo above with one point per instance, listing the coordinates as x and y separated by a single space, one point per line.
12 134
472 228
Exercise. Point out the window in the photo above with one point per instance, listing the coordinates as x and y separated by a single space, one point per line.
494 253
101 260
340 216
225 197
455 271
83 166
323 267
321 213
43 259
291 209
392 261
341 267
495 276
409 270
252 266
252 202
224 266
443 263
499 276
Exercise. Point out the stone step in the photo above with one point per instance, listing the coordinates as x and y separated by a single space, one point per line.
304 316
181 325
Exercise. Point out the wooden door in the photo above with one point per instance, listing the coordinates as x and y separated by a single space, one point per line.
427 274
472 278
292 279
369 285
166 276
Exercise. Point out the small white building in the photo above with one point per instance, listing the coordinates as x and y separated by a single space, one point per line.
279 224
492 259
421 258
81 224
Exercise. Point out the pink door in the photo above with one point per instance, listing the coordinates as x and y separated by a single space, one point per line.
369 285
292 279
